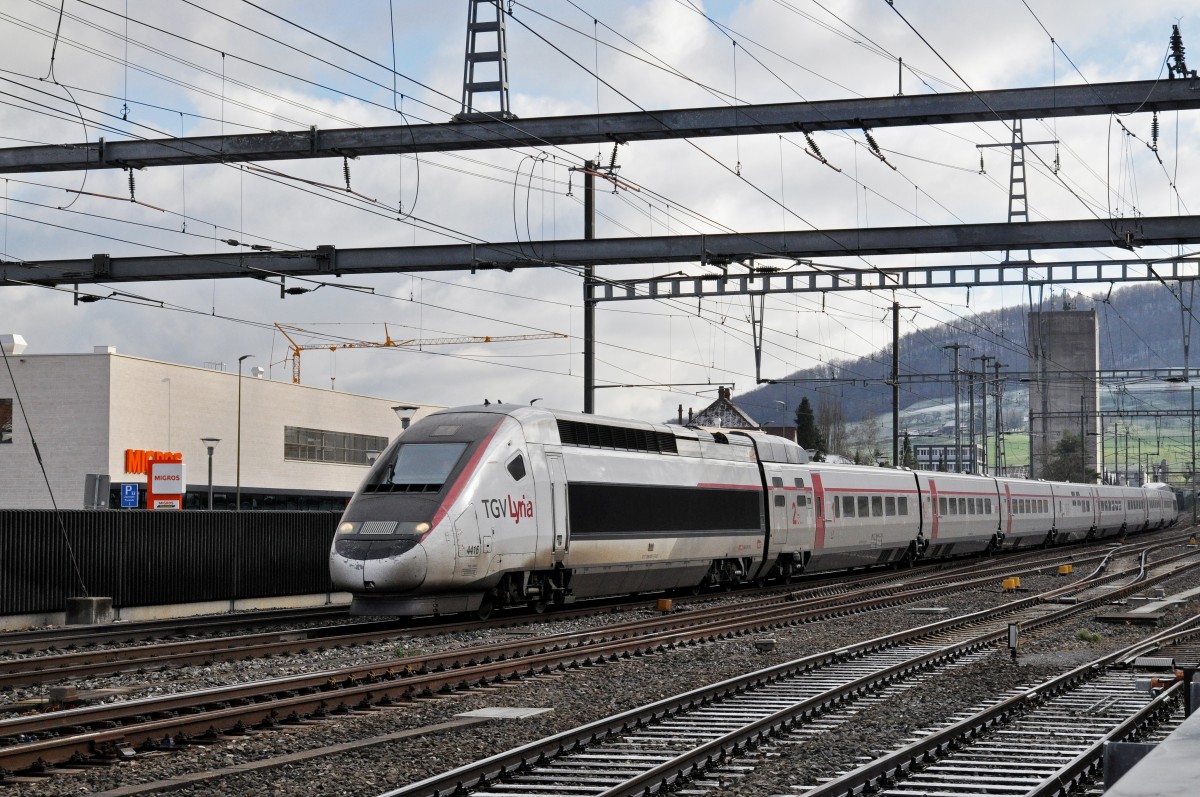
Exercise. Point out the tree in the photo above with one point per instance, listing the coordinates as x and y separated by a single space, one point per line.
807 434
831 420
1067 462
908 457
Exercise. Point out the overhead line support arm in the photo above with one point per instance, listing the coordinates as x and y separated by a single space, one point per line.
853 114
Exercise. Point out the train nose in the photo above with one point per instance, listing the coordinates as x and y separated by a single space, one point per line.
378 565
396 573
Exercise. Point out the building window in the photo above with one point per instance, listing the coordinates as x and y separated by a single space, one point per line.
321 445
6 407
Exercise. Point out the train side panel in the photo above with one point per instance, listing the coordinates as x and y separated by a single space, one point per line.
870 516
641 522
963 513
1028 512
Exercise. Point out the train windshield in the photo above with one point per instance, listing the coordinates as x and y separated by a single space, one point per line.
424 464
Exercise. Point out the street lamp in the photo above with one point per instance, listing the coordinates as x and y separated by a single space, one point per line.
238 488
210 443
167 379
404 413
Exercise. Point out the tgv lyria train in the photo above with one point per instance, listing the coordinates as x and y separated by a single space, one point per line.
478 507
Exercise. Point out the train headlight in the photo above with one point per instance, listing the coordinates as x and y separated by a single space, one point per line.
348 527
415 529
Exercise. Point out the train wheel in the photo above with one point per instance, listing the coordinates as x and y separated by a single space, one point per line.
486 606
539 605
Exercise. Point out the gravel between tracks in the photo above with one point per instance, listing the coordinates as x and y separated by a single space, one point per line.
593 693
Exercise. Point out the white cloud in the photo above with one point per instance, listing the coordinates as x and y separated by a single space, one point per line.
990 45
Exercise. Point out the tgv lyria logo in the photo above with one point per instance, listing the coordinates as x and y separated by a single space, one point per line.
508 507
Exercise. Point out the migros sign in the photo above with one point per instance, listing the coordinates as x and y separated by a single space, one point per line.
137 460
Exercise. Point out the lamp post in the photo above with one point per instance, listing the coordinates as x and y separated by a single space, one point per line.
167 379
404 413
210 443
238 488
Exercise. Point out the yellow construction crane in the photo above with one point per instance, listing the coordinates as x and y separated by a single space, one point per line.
295 348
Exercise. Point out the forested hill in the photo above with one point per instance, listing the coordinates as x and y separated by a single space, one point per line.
1140 327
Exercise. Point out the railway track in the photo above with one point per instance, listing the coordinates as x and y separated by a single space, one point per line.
36 743
1047 741
686 737
92 663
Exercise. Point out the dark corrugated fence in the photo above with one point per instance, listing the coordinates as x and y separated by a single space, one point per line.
144 558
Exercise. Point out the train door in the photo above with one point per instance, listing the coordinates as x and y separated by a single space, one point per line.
468 549
779 509
799 510
934 515
561 532
1006 510
818 510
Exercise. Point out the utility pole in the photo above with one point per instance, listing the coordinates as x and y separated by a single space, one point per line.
1000 463
589 305
895 380
957 407
983 359
896 384
971 419
1018 199
1082 444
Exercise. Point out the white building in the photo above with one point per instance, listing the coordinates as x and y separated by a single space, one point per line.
301 447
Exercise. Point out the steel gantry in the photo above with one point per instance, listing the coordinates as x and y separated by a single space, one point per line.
792 117
798 245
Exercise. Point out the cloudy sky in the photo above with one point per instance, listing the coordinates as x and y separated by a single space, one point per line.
154 68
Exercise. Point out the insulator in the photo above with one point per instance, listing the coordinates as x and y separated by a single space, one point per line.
131 186
871 142
346 170
1154 132
1177 51
812 144
612 162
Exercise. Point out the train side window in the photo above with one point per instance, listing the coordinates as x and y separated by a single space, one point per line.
837 507
902 504
864 506
877 506
942 505
962 506
516 467
848 505
889 505
971 506
780 500
776 481
820 507
953 504
799 483
987 504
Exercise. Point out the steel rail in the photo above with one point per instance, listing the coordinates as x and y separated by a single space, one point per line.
344 690
462 780
889 767
347 689
49 669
